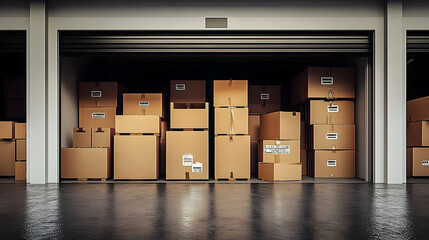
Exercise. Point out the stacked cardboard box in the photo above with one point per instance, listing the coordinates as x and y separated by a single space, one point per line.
7 149
279 147
232 142
21 151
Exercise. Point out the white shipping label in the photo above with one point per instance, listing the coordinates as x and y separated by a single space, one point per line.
277 149
144 104
98 115
331 163
326 80
332 136
197 167
180 87
96 94
187 160
425 163
265 96
333 109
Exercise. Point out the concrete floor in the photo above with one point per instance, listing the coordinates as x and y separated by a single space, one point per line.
214 211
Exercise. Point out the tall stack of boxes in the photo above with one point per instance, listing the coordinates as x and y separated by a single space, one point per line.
21 151
7 149
188 139
232 142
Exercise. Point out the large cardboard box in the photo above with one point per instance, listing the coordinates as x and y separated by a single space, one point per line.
82 137
7 130
136 157
21 150
280 126
144 104
188 91
189 115
417 109
264 99
331 112
232 157
418 158
20 130
303 156
230 93
328 137
333 164
279 151
7 158
98 94
254 126
279 171
254 157
231 120
138 124
97 117
187 155
20 171
303 136
102 137
418 134
86 162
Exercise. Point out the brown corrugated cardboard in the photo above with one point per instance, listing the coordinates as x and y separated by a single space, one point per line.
7 130
102 137
86 162
97 117
334 164
419 158
303 136
230 93
303 156
417 109
189 115
418 134
187 155
98 94
231 120
232 157
82 137
136 157
7 159
279 171
280 126
138 124
254 126
279 151
188 91
20 171
331 112
144 104
20 130
254 157
327 137
264 99
21 150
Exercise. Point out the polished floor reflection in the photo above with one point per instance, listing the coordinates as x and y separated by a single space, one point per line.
214 211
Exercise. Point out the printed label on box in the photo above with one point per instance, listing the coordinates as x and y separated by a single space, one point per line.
265 96
333 109
331 163
180 87
96 94
332 136
425 163
187 160
197 167
143 103
98 115
327 80
277 149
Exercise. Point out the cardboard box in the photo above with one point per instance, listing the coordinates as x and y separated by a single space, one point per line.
20 171
82 137
7 130
144 104
327 137
188 91
303 156
189 115
418 158
164 128
230 93
417 109
279 171
254 126
280 126
264 99
102 137
254 157
138 124
21 150
231 120
187 155
97 117
303 136
98 94
86 162
279 151
136 157
418 134
333 112
232 157
15 109
7 159
333 164
20 130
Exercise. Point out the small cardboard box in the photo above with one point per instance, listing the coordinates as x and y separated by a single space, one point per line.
102 137
136 157
254 157
7 130
144 104
230 93
20 130
232 157
97 117
331 137
333 164
418 134
21 150
187 155
418 161
417 109
82 137
279 151
264 99
254 126
188 91
231 120
98 94
20 171
86 162
279 171
303 156
138 124
331 112
280 126
7 159
189 115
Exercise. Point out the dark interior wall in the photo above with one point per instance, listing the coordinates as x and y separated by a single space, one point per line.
417 75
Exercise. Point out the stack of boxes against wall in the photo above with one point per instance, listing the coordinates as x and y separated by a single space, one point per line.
325 96
13 150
